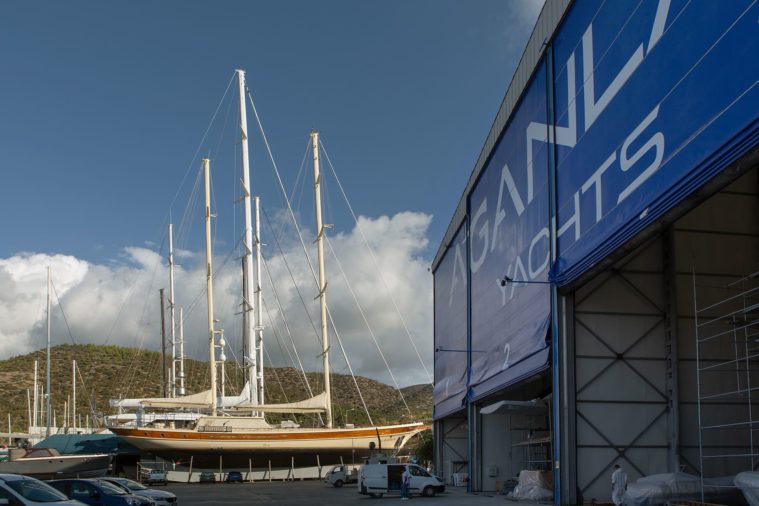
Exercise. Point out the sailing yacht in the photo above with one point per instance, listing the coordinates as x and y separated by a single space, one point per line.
207 425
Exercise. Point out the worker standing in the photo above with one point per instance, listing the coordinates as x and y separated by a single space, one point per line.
618 485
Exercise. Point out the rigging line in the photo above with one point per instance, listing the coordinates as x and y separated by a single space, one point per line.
376 263
71 336
298 185
188 216
292 276
366 322
304 378
282 189
202 140
270 361
287 326
300 236
282 350
276 376
348 363
143 312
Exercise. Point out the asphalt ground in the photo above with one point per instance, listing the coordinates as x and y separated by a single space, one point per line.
313 492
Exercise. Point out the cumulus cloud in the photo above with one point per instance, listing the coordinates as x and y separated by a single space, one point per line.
117 302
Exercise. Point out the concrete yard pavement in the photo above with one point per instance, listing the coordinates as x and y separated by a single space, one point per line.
314 492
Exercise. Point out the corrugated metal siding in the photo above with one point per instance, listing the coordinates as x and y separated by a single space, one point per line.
549 19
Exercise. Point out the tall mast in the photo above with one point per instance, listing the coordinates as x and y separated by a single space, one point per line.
47 387
172 323
247 265
209 286
181 354
73 391
165 386
322 280
35 398
259 310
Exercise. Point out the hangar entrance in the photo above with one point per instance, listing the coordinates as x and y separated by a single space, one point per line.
451 442
635 355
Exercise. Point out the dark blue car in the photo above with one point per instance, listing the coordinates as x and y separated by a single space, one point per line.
98 493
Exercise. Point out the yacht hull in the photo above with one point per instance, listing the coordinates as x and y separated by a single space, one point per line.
59 466
280 446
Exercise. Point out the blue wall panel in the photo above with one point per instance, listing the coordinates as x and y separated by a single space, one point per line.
651 99
450 328
510 237
658 88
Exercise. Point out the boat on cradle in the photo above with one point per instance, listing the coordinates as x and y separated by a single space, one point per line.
48 464
208 425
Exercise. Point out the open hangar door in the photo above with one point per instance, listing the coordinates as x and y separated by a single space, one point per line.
635 365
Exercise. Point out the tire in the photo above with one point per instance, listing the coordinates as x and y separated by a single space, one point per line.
339 483
428 491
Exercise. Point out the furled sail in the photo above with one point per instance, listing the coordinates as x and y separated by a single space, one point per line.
315 404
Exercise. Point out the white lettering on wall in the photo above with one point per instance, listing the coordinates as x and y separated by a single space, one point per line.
482 233
507 181
459 269
595 183
593 108
534 271
565 136
626 162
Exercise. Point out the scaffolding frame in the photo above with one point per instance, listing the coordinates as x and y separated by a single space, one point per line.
727 376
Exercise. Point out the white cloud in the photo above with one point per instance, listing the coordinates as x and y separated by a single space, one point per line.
118 303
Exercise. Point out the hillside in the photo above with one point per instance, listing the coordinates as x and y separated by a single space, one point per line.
107 372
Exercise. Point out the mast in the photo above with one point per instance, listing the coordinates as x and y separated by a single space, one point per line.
172 322
73 392
209 286
247 264
322 280
47 387
259 308
163 346
181 353
35 398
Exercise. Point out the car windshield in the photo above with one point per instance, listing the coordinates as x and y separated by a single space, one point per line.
132 485
36 491
110 488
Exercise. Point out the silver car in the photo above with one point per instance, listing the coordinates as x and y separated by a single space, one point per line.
159 497
19 489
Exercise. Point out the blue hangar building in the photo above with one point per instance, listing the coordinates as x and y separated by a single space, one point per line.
597 290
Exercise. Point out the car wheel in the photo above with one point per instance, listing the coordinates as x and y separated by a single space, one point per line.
339 483
428 491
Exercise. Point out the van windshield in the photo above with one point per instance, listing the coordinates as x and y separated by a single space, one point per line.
417 471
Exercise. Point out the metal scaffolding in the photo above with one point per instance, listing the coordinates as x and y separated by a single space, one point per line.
727 369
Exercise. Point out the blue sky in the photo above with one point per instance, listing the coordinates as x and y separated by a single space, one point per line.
103 106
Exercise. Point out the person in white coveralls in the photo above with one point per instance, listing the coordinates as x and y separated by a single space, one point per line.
618 485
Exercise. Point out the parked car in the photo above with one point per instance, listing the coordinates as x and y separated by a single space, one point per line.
207 477
378 479
96 492
21 490
159 497
341 475
233 477
157 476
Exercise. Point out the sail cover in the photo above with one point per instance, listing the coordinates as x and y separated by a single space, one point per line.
200 400
315 404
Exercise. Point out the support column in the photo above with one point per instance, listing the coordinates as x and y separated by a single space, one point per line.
567 390
670 352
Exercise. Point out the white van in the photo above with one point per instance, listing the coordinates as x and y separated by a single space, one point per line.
378 479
